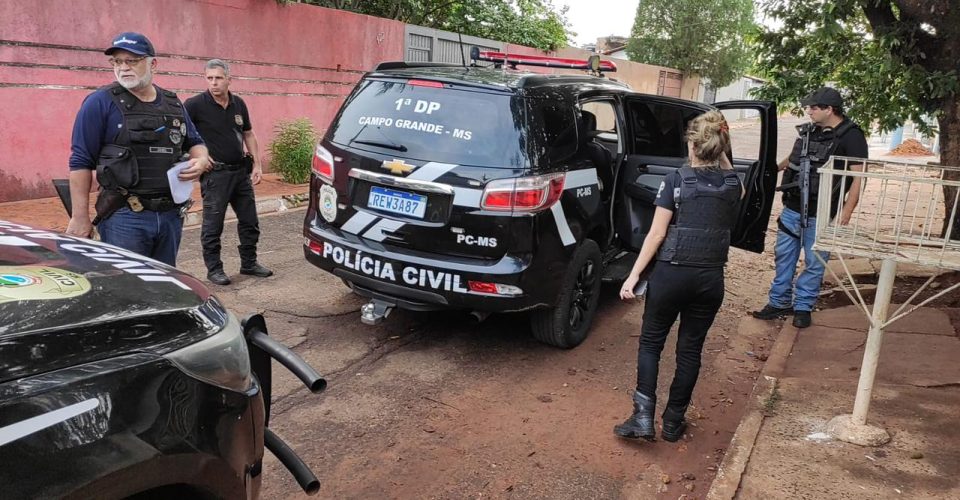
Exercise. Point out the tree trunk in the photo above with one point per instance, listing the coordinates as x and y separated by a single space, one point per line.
950 157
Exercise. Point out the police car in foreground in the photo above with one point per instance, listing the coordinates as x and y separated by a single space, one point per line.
495 190
122 377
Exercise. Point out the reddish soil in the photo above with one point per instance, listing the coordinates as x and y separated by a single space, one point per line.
911 147
439 408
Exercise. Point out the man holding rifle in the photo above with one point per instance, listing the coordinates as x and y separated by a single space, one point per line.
829 133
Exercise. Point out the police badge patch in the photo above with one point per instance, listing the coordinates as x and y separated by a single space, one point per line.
328 202
238 119
176 136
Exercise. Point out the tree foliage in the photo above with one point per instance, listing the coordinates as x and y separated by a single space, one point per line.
883 59
534 23
705 37
895 60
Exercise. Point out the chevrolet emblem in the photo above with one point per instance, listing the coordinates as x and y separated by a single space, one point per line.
397 167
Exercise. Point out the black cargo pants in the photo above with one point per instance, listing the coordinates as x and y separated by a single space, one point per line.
220 188
694 294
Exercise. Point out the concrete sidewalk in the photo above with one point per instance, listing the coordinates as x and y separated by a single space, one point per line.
273 195
781 448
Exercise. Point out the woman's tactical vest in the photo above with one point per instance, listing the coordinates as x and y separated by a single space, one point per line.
704 217
823 143
148 144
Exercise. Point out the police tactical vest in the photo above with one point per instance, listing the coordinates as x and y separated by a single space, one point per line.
823 143
154 134
704 217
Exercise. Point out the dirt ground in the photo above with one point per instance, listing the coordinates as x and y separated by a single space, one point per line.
438 406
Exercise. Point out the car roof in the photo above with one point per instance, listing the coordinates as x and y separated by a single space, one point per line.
507 80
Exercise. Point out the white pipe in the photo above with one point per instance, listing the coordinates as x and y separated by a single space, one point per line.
871 354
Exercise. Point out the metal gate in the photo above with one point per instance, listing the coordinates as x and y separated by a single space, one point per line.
669 83
431 45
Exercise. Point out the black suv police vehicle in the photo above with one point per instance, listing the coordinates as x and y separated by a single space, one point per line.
494 190
123 377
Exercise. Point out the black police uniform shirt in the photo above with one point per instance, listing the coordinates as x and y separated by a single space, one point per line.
221 128
853 144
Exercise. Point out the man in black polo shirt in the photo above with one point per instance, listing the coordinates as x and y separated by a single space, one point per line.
222 120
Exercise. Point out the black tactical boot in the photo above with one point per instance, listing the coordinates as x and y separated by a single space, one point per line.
218 277
640 424
771 312
801 319
257 270
674 424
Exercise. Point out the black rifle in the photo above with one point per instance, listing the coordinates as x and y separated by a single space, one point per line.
802 180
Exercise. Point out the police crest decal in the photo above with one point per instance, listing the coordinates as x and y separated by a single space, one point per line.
328 202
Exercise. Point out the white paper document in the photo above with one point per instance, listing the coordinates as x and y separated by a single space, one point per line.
181 190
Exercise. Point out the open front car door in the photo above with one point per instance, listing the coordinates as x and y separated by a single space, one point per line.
756 162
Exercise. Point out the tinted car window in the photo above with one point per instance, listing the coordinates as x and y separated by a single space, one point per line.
432 124
658 128
552 134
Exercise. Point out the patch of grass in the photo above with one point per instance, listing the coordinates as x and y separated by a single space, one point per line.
770 404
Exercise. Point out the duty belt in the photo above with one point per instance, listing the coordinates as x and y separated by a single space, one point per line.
230 167
138 204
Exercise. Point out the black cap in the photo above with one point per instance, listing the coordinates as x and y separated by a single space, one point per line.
129 41
824 96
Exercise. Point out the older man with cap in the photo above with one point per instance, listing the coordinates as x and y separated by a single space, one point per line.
132 132
829 133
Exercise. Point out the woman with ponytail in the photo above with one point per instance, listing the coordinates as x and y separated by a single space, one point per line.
687 248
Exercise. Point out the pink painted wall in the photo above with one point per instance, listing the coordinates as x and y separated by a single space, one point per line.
287 62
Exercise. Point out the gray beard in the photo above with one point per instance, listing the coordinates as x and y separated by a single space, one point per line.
137 85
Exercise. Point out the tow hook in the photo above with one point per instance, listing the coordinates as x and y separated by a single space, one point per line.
375 311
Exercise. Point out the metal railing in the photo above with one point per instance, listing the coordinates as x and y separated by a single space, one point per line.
901 217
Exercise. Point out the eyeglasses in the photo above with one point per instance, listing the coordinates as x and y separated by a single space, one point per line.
116 62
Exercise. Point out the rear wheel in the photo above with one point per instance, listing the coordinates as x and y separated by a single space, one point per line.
567 324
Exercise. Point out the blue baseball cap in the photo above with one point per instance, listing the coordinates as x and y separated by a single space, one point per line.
131 42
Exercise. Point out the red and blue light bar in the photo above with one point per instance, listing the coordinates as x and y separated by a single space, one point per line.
528 60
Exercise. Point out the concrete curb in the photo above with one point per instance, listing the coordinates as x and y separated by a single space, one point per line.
265 205
727 482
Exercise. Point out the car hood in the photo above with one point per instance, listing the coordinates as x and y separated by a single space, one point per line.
65 300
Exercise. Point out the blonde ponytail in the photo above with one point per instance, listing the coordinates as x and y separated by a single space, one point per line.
710 136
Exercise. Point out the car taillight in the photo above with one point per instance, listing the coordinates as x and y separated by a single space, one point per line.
323 163
493 288
526 194
314 246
